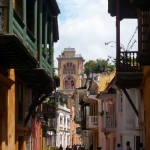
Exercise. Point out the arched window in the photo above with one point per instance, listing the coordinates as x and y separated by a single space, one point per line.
69 82
69 68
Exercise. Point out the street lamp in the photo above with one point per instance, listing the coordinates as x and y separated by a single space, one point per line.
121 45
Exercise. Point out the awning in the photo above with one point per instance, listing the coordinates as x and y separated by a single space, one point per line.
54 7
127 9
36 77
13 54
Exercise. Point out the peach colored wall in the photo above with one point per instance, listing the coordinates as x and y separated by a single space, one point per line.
11 113
7 112
146 92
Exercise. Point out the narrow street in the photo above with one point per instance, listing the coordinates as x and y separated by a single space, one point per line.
74 75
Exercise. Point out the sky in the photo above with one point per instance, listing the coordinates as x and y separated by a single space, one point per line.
86 26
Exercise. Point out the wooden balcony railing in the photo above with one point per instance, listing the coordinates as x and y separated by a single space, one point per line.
3 16
128 62
109 122
21 31
92 122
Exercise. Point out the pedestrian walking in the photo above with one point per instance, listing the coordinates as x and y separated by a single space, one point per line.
141 146
99 147
67 148
128 145
60 148
91 147
119 147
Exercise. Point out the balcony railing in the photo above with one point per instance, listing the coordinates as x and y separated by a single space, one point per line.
51 124
3 9
109 122
128 62
92 122
21 31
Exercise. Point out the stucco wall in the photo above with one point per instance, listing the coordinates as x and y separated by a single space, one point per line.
146 92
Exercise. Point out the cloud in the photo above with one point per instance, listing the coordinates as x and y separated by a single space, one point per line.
86 26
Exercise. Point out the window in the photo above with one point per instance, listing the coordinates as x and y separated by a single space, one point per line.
19 8
68 121
30 15
60 138
61 120
68 139
64 120
69 68
69 82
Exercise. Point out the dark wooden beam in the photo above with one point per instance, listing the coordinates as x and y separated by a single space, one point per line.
131 102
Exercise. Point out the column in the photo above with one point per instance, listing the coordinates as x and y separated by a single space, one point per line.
35 24
40 31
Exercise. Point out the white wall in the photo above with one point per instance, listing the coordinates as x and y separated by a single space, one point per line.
126 117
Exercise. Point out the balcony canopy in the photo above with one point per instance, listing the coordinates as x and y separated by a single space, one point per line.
53 7
127 9
13 54
36 77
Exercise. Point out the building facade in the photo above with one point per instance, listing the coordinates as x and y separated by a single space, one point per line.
138 69
62 121
70 71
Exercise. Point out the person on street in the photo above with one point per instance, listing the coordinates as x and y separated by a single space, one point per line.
60 148
119 147
128 145
91 147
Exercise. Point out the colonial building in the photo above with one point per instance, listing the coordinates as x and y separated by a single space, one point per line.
28 30
63 121
70 71
133 67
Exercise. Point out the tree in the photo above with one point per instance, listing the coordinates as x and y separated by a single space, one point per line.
97 66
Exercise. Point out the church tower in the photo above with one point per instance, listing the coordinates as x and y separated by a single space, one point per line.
70 70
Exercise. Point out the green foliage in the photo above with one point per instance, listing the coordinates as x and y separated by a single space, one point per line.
52 148
97 66
51 101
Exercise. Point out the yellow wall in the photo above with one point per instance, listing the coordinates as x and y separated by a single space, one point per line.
104 81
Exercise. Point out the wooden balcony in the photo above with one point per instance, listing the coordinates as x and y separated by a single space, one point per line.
18 46
92 122
129 71
127 9
84 106
18 40
51 124
144 37
109 123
